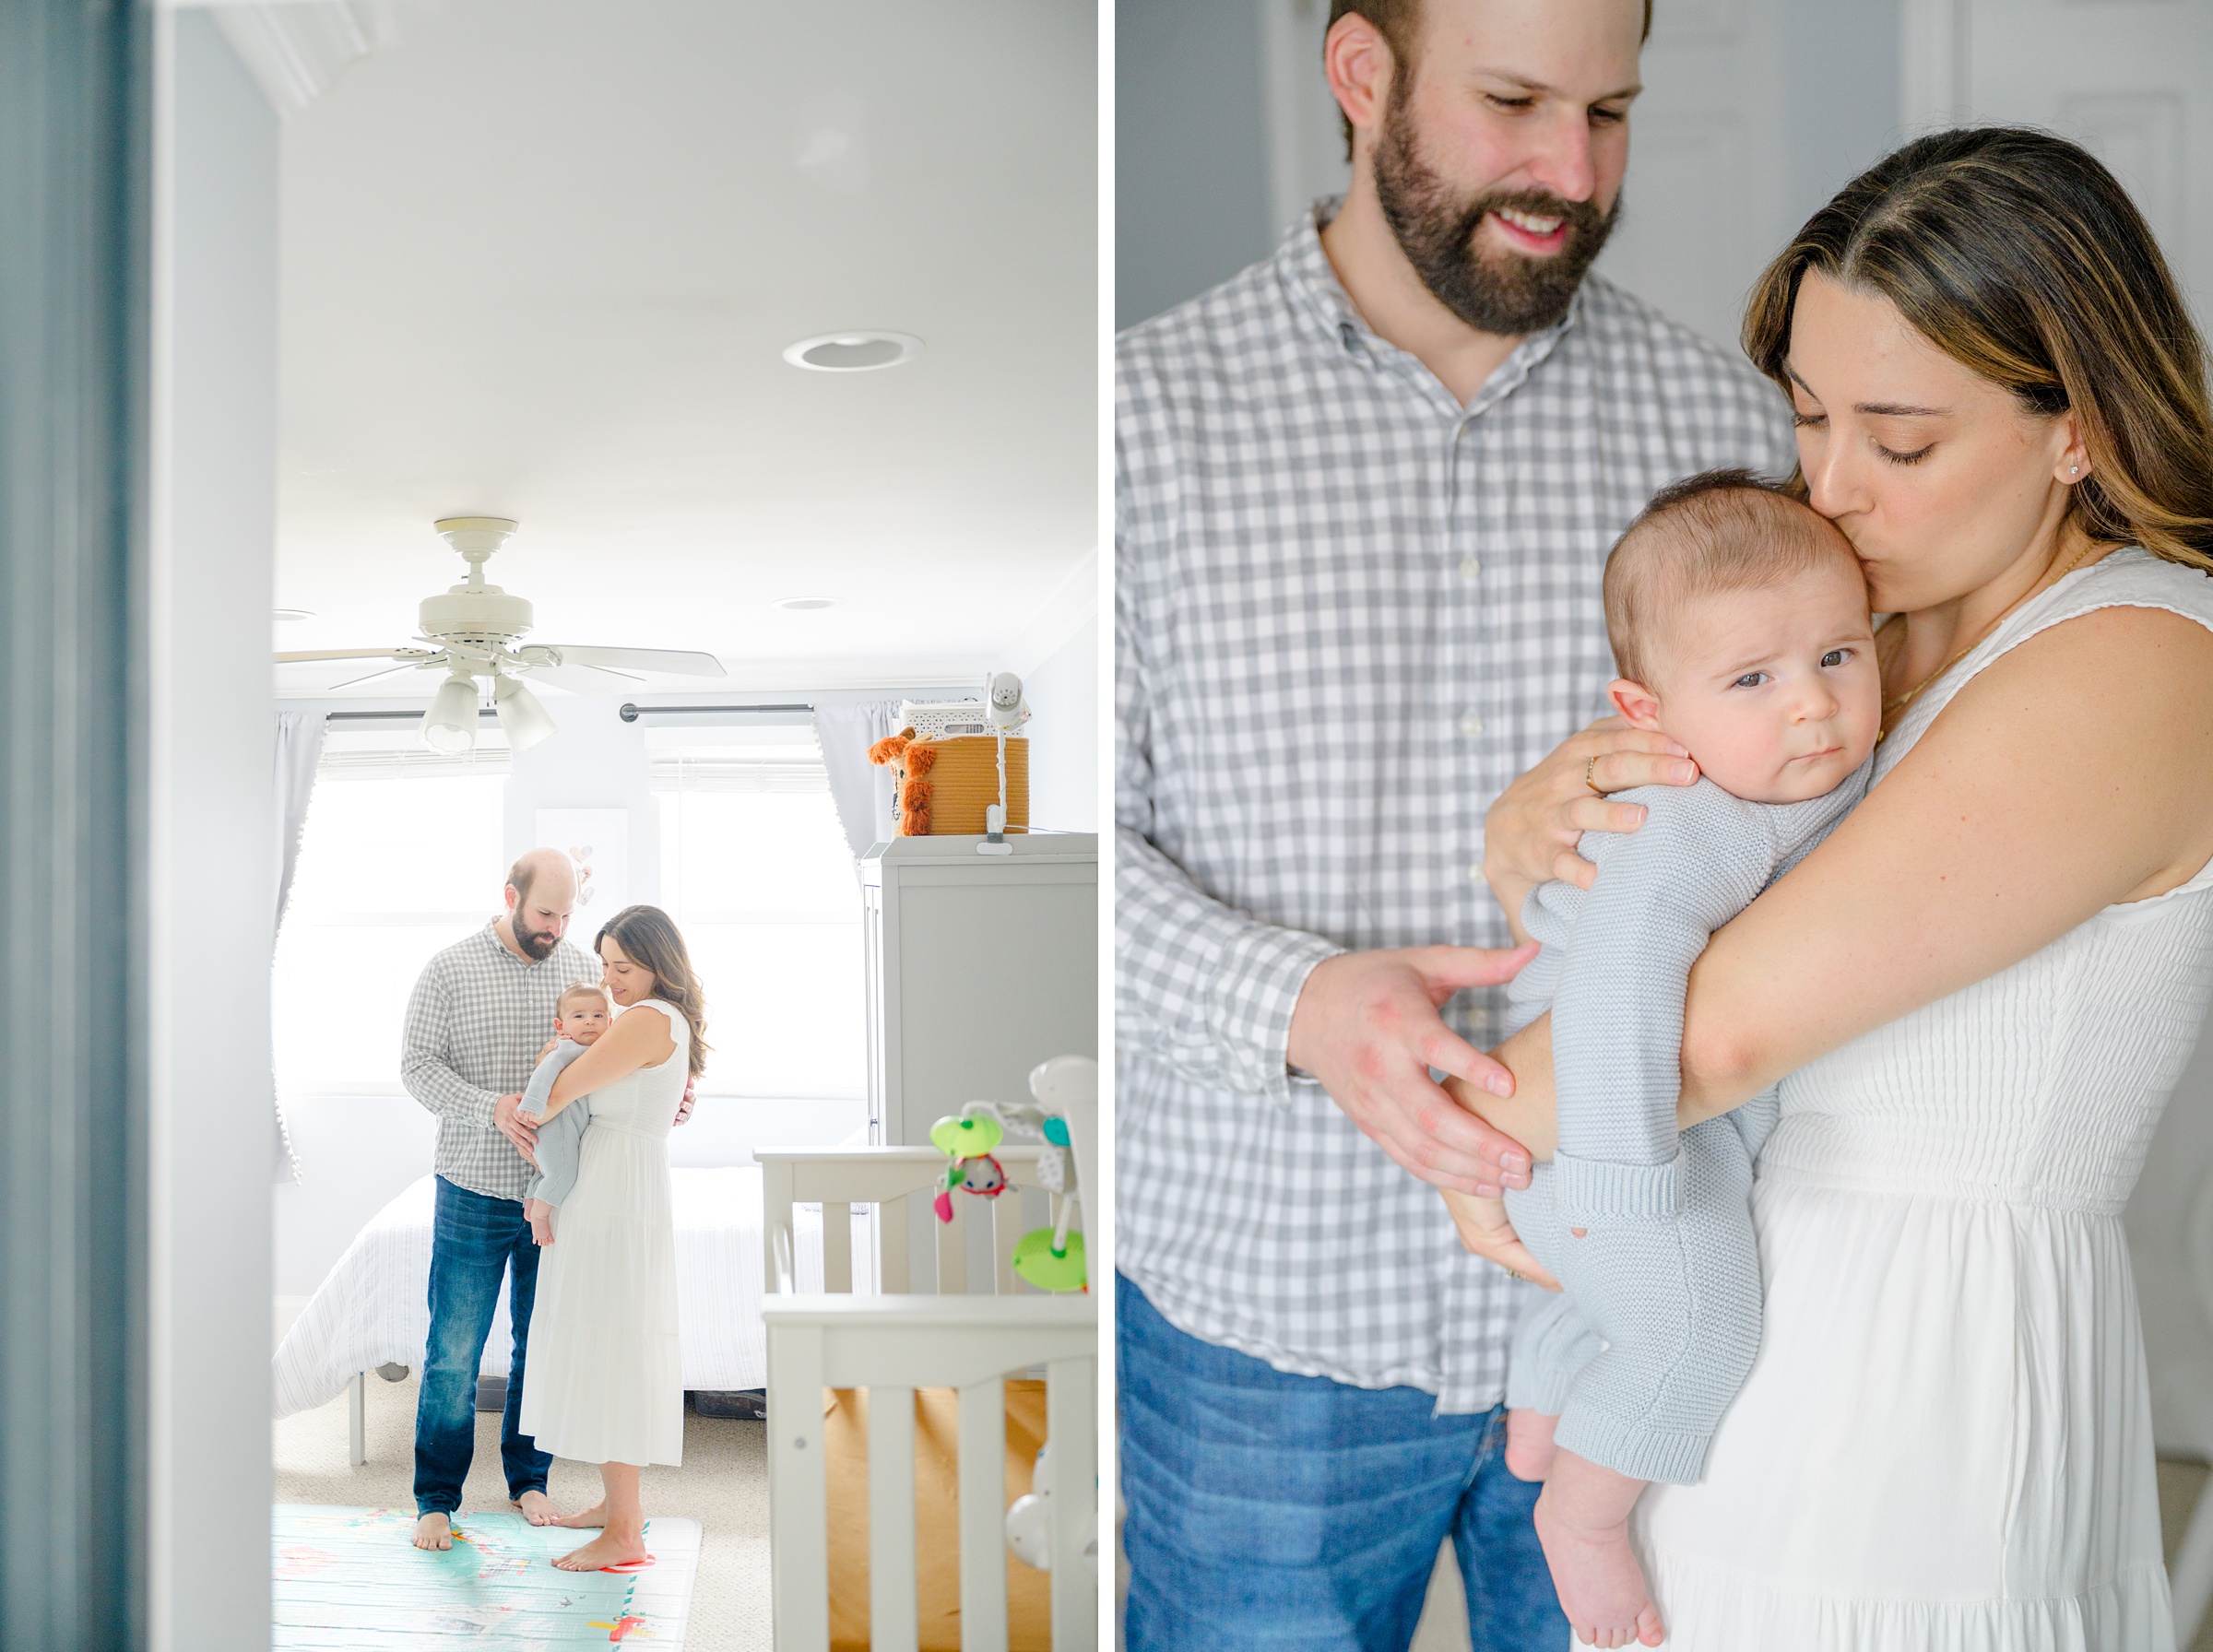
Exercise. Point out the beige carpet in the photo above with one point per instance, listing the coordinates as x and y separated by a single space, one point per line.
723 1485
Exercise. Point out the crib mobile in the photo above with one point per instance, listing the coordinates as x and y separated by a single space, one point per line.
1050 1259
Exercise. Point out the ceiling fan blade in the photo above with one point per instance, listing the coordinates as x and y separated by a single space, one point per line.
675 661
587 679
408 654
387 671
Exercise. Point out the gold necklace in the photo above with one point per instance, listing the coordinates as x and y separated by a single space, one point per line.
1892 707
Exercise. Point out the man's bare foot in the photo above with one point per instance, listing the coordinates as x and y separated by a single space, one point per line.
1529 1444
433 1531
593 1515
1600 1586
606 1550
538 1508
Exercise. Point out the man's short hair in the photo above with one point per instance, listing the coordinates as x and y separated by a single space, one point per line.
561 1005
1399 21
1721 530
521 876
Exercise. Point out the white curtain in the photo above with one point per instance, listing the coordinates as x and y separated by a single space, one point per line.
861 790
299 750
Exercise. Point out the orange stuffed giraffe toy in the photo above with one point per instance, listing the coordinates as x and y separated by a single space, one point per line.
912 760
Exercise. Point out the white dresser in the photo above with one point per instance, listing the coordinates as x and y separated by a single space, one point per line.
979 968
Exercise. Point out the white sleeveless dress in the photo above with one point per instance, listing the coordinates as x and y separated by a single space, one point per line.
1945 1445
603 1381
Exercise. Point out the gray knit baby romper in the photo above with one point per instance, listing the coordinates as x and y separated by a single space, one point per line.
1660 1318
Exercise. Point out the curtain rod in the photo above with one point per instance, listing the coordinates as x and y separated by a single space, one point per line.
398 716
631 713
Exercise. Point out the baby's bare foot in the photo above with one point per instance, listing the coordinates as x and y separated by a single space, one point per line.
1600 1586
538 1508
1529 1444
606 1550
593 1515
433 1531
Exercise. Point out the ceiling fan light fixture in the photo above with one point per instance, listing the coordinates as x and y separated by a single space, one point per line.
450 725
804 605
526 720
862 350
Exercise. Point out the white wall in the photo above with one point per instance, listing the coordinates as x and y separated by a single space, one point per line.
214 843
597 762
1063 692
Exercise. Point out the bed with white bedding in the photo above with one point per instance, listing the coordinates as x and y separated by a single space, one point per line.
373 1307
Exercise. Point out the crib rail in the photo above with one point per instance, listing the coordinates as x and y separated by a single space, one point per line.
887 1177
893 1345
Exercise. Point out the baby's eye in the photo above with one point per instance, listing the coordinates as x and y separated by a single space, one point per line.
1836 656
1750 679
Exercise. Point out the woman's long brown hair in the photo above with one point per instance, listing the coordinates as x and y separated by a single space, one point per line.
2018 255
649 936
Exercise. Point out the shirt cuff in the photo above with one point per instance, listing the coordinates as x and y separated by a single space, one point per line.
1587 1192
1255 988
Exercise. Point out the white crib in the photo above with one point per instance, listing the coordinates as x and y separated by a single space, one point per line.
893 1343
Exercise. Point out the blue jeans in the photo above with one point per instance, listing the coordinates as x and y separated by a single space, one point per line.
1296 1513
474 1241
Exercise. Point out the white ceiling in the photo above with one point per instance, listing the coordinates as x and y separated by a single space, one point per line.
541 259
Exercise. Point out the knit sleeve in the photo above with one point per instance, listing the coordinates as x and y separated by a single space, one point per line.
1701 857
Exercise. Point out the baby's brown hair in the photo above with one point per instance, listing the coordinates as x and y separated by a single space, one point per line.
1721 530
561 1005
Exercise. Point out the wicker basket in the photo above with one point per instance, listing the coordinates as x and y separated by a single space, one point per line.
963 781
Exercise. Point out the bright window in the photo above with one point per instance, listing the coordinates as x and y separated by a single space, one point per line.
400 859
756 872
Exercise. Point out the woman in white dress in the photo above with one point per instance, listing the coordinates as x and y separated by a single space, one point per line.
1983 987
603 1382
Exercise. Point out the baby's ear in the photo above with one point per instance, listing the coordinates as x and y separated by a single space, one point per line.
1635 702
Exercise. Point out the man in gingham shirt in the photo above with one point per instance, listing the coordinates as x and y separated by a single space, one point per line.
481 1012
1364 492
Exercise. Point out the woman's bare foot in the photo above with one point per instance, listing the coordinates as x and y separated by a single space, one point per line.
538 1508
433 1531
609 1549
1529 1444
593 1515
1583 1521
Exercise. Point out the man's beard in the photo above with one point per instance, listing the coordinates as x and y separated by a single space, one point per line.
1509 294
535 944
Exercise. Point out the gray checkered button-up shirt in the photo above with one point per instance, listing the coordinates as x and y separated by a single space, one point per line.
1349 611
476 1019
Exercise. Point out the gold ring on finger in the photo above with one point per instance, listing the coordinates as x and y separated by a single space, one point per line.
1515 1274
1590 767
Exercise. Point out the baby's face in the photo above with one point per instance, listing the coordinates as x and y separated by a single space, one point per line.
584 1020
1775 692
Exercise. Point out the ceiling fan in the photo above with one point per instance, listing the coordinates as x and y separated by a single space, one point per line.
472 631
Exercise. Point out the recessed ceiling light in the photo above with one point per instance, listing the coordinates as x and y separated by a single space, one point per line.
806 605
283 614
853 352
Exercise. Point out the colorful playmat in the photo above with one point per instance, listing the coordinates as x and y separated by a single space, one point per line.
349 1580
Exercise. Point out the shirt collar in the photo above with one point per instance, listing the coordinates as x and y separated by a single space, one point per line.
1307 273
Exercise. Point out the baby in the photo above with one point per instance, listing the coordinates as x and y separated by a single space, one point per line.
580 1015
1739 624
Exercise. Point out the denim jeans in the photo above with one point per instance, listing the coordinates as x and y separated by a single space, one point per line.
474 1241
1273 1511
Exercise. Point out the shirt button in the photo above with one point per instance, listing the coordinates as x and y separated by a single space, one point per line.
1471 725
1469 567
1474 871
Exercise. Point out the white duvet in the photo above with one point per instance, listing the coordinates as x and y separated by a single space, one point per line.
374 1308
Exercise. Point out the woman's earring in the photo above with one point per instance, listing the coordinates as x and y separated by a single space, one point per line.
2074 470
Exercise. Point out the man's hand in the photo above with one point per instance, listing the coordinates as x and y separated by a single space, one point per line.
1485 1230
1366 1027
514 1127
1529 833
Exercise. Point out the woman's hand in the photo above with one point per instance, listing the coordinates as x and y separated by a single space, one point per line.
1530 832
1486 1232
683 1108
